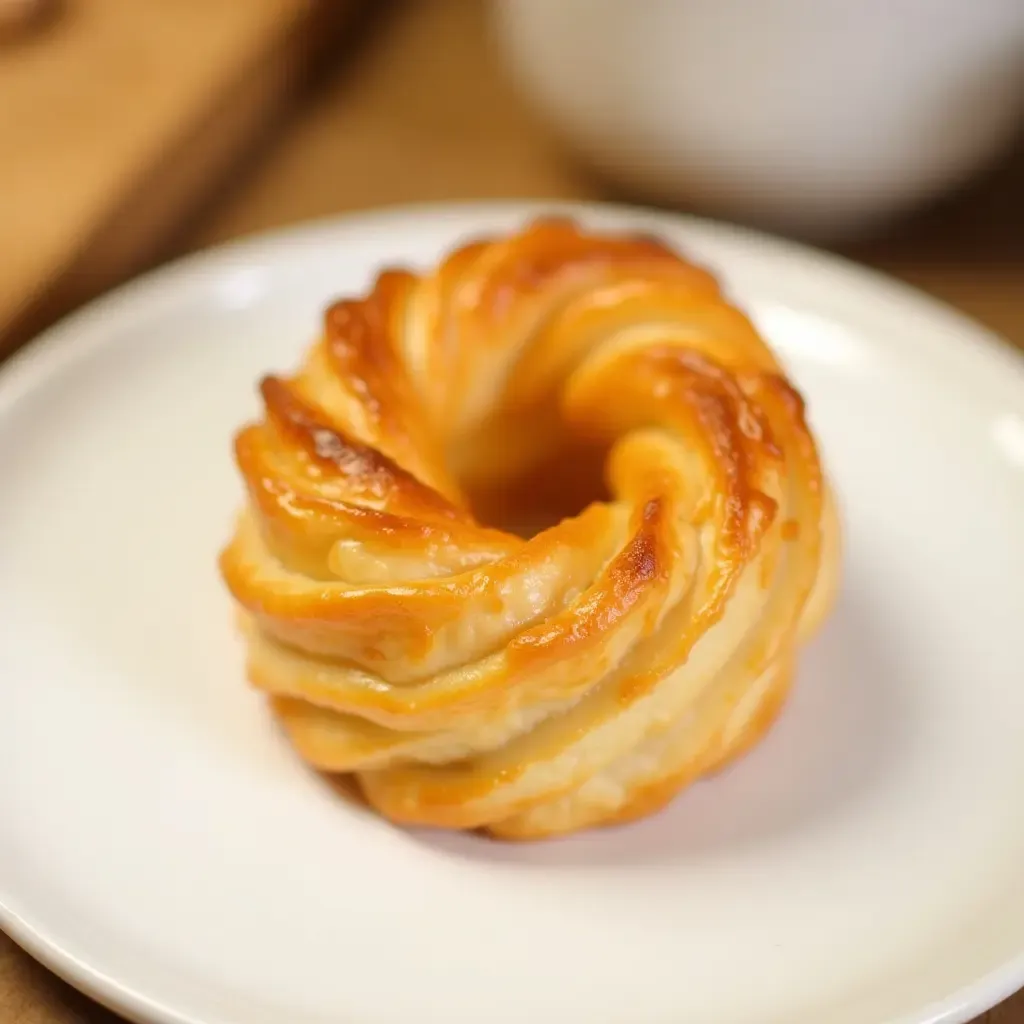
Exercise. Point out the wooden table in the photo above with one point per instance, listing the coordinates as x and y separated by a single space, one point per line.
421 111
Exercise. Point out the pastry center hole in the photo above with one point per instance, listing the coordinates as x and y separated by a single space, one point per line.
557 484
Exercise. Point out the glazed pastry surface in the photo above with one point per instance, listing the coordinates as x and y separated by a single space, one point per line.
531 540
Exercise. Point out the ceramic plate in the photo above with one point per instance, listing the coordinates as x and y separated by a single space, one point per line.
163 849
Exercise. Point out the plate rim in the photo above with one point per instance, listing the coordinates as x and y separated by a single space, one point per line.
31 358
77 335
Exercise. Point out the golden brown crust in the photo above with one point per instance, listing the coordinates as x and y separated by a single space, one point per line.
530 685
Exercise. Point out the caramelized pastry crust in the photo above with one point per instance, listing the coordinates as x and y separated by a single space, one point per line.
531 540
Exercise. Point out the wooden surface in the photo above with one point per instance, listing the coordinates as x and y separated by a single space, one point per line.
421 111
115 117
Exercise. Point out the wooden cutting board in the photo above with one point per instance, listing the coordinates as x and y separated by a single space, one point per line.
117 117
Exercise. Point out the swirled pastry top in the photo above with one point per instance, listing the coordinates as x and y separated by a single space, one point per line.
674 536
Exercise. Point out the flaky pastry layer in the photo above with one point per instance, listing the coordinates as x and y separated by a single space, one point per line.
581 670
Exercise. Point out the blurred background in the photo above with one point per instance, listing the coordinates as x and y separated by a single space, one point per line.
133 131
137 130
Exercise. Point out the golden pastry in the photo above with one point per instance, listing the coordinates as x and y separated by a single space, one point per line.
531 540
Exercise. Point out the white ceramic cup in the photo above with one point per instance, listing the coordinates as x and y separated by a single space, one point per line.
819 117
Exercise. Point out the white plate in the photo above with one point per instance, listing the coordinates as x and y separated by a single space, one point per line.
163 849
